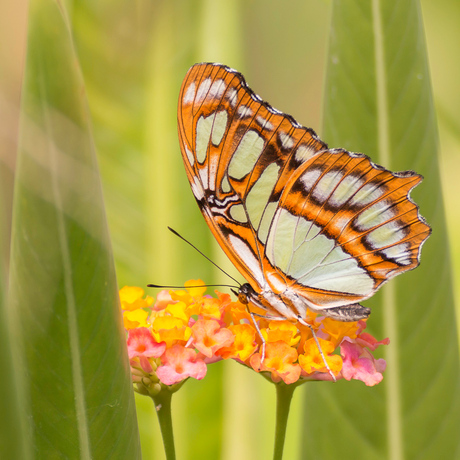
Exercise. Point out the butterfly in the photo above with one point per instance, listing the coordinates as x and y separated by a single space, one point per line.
307 226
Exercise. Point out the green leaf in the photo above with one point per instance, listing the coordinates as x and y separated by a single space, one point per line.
135 117
11 431
378 101
70 345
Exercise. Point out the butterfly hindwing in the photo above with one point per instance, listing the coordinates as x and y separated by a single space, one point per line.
328 227
343 227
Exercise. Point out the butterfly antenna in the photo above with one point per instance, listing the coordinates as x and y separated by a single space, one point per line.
185 287
204 255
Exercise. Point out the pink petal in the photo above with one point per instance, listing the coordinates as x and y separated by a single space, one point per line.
163 300
209 337
142 343
146 365
367 340
180 363
359 364
213 359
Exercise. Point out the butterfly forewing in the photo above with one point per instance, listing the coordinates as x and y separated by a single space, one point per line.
238 153
297 219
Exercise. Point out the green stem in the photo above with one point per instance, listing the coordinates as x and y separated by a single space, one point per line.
163 407
283 404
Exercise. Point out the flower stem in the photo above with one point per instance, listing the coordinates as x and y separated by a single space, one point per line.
162 403
283 404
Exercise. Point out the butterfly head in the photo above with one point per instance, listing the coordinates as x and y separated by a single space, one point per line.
245 293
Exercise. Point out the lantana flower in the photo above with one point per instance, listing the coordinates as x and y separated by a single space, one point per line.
179 363
280 360
183 331
141 344
209 337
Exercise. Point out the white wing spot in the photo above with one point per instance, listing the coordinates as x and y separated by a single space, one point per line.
309 178
386 235
274 111
344 276
374 215
265 124
399 253
197 188
203 90
212 127
303 153
243 250
366 195
286 141
337 271
244 111
203 172
217 89
326 185
190 157
286 234
189 95
345 190
232 96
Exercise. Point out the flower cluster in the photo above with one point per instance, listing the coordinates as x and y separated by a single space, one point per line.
179 334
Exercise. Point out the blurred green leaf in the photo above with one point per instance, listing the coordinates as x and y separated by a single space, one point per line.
11 431
378 101
70 344
12 35
133 61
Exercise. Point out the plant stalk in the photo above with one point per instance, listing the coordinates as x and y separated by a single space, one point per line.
162 403
283 404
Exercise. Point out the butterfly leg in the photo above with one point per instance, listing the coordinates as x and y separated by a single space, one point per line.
301 321
246 295
273 318
260 335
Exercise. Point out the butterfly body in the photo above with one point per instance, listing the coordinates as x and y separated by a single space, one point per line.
291 306
307 226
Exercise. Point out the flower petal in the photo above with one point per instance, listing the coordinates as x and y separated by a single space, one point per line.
209 336
312 360
244 344
141 343
135 318
279 361
359 364
180 363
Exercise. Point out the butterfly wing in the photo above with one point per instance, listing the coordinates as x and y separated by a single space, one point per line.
342 227
235 158
326 226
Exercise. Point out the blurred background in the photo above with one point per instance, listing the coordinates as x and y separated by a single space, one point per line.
134 55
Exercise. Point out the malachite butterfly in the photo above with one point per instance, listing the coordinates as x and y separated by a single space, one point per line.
308 227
